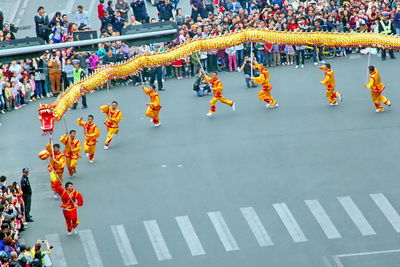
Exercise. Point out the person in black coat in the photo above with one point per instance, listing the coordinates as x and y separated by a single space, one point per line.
118 22
140 11
42 24
165 8
105 21
27 194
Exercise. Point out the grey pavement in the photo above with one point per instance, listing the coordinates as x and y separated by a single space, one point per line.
304 185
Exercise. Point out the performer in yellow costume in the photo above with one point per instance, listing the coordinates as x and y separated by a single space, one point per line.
91 133
329 81
113 117
71 151
153 108
56 162
217 87
377 88
265 93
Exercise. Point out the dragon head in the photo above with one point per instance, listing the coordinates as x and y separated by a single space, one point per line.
46 117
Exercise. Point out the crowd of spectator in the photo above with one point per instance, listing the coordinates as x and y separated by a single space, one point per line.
15 204
26 80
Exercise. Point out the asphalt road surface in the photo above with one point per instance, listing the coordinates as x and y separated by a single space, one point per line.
303 185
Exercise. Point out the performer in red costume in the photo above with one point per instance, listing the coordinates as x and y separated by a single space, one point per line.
71 200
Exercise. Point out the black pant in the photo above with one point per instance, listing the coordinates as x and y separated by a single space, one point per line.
210 8
200 11
83 103
298 53
212 63
156 73
384 53
27 203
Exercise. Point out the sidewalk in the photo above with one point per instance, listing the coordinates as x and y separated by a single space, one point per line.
10 9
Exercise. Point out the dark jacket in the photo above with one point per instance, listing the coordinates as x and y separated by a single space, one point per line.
165 10
44 28
105 21
139 10
380 27
26 185
118 24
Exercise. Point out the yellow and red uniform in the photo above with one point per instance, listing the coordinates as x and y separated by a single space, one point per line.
71 152
377 88
154 106
113 117
70 201
57 163
91 133
329 82
263 79
216 86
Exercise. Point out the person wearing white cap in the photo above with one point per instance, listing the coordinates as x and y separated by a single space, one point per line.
386 27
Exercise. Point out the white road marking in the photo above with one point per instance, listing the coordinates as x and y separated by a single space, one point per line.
223 231
91 8
57 254
338 261
90 248
387 210
163 166
290 222
157 240
323 219
326 261
356 216
256 227
368 253
69 7
124 245
191 238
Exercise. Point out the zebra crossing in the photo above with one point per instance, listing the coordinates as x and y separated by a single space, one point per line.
222 229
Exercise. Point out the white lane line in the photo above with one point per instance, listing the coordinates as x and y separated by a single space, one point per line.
290 222
326 261
387 210
256 227
124 245
323 219
91 9
369 253
338 261
90 248
57 254
69 7
223 231
356 216
157 240
191 238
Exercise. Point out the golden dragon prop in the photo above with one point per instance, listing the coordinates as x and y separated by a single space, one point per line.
56 110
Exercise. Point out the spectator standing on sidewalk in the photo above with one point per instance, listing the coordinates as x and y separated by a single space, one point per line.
1 19
26 194
396 19
198 8
165 8
100 9
82 17
118 22
123 8
140 11
41 24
